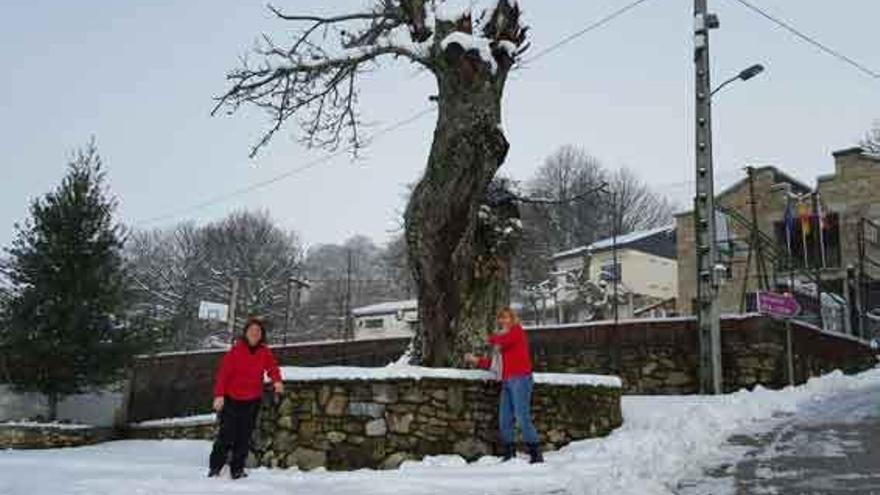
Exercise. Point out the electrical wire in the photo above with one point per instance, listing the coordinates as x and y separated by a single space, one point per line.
222 197
800 34
591 27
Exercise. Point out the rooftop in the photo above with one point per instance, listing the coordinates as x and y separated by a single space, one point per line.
386 308
621 241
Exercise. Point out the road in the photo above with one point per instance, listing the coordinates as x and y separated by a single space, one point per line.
831 446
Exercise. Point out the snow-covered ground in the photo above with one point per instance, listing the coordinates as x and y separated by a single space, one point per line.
664 440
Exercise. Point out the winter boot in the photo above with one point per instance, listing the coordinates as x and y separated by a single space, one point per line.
509 452
239 474
535 456
213 473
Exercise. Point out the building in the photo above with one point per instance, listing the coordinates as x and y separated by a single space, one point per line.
646 271
832 237
387 319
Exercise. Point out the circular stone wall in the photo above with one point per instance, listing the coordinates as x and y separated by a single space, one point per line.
351 418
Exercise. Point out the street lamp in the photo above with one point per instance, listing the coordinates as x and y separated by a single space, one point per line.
744 75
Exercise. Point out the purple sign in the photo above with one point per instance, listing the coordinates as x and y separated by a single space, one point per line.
780 305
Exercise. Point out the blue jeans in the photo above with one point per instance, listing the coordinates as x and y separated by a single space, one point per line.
515 407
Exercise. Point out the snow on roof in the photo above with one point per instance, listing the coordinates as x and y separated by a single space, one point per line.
621 241
397 372
386 308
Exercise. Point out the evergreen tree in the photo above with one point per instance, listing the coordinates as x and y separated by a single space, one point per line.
65 329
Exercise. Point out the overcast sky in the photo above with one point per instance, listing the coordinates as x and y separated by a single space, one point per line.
139 76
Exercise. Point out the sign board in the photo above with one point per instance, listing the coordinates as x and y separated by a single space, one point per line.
213 311
778 305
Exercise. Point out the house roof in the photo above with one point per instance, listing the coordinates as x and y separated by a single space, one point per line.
659 241
778 177
386 308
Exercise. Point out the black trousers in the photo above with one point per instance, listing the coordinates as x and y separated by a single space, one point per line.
237 421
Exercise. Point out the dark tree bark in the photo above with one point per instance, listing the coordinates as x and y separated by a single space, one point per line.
459 261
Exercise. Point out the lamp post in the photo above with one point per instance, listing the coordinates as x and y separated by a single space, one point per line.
708 314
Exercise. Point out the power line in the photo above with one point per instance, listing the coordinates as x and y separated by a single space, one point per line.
219 198
825 48
591 27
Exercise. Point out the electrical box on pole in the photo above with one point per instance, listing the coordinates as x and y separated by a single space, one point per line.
708 318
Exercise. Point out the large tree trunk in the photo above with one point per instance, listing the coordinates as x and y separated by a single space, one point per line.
460 282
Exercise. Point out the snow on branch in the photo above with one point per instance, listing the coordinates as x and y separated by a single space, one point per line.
314 77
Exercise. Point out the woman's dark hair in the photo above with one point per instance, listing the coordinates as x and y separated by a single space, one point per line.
254 320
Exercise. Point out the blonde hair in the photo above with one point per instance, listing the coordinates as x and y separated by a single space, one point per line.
509 312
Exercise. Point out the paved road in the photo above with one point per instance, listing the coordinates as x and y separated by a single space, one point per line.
831 446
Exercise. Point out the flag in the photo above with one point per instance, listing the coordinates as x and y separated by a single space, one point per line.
804 214
789 226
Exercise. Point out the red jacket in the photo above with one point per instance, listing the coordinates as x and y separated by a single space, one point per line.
241 372
516 360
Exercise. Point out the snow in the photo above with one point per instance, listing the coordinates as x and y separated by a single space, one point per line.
608 243
390 307
405 371
200 419
663 441
36 424
470 42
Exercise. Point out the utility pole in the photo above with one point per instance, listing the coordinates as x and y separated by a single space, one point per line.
287 310
233 299
708 319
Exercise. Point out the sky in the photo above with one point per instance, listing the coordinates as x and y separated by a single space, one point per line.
140 76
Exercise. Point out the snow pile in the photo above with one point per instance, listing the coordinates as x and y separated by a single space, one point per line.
663 441
404 371
197 420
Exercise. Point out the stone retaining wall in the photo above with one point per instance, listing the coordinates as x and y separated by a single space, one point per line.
48 436
657 356
372 422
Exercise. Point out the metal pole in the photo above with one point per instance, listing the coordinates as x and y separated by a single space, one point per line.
817 267
708 319
614 260
233 300
287 310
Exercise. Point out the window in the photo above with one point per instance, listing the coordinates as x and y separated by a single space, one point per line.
374 323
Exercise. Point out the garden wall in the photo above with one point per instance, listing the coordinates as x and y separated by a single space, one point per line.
24 435
652 357
350 418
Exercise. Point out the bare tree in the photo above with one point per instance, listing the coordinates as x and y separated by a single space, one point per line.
572 215
871 142
313 78
174 270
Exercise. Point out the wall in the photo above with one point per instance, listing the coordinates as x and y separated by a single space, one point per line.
660 356
852 193
32 436
99 409
179 384
652 356
770 205
352 423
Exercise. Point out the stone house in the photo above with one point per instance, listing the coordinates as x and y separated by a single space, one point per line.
646 271
848 203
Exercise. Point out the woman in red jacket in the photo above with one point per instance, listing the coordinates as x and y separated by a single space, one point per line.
238 391
512 348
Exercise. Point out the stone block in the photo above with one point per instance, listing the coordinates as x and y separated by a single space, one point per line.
308 459
376 428
400 423
336 405
370 409
384 393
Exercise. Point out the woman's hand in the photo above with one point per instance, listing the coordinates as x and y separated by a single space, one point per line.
471 359
218 404
279 388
